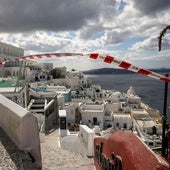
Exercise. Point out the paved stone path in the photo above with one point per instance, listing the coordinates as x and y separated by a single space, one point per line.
53 156
11 158
56 158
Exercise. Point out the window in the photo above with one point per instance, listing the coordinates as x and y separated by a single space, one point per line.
150 143
95 120
124 125
117 124
63 123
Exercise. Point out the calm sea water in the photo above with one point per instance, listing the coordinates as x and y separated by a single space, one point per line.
150 90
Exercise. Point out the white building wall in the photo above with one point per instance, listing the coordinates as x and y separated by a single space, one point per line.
114 97
154 113
134 101
108 121
96 87
70 110
87 136
83 81
60 101
122 120
15 72
90 92
141 113
90 115
48 66
114 107
71 82
7 50
81 143
74 82
94 113
147 126
31 74
18 97
93 107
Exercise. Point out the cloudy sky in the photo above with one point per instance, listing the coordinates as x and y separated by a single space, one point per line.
126 29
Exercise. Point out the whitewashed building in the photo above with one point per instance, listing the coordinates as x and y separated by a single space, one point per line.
38 71
114 107
122 121
93 114
8 51
69 82
72 112
8 54
145 122
17 94
132 99
82 79
115 97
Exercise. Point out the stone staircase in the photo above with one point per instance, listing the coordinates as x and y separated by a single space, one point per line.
56 158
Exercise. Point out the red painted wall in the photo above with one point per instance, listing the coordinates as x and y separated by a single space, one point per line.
135 155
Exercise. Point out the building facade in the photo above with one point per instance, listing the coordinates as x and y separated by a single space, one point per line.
8 54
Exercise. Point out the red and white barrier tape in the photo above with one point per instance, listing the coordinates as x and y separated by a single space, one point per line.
128 66
105 58
42 56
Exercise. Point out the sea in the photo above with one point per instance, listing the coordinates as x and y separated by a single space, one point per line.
150 90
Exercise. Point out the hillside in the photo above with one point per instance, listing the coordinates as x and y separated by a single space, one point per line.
121 71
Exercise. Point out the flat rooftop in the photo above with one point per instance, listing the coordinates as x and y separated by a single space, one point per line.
9 84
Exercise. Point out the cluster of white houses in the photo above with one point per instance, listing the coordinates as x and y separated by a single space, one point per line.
45 90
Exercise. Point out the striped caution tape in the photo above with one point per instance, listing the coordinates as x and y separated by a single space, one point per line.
128 66
41 56
104 58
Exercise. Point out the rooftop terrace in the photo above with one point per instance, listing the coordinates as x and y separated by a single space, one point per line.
11 84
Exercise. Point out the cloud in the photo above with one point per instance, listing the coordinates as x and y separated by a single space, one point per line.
150 61
146 45
151 7
40 26
89 31
151 43
116 36
165 41
54 15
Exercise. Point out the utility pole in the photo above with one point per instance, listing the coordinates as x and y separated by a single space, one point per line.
164 125
164 142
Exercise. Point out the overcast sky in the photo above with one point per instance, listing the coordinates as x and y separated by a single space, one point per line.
126 29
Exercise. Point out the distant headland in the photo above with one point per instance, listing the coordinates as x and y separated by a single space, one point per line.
121 71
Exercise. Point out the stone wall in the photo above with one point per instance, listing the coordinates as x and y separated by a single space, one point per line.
21 127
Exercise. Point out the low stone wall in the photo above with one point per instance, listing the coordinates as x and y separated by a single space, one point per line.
21 127
87 136
79 143
51 121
